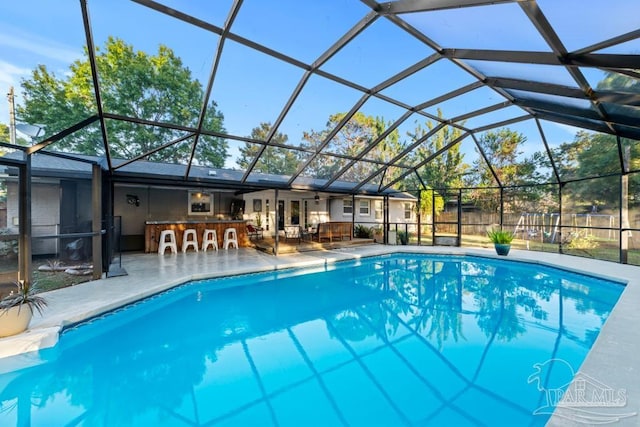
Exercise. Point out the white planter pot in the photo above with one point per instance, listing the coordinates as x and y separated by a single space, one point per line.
15 320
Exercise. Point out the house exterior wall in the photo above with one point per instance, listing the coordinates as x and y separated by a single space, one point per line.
397 211
365 208
159 204
45 214
311 211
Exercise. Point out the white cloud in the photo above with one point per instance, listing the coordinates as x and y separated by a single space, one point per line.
39 46
10 74
21 52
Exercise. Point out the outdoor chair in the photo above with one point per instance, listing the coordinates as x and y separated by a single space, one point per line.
292 232
254 232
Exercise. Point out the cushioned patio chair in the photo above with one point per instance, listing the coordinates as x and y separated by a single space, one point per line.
254 232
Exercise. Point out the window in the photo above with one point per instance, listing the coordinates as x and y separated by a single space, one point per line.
295 212
407 211
200 203
364 207
347 207
377 205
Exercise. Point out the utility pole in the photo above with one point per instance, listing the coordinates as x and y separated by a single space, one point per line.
12 116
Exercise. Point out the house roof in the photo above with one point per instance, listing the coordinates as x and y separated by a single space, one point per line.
80 166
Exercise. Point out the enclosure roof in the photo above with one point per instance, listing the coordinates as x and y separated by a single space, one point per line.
291 78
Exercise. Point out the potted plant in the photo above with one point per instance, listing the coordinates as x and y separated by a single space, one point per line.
16 309
501 240
403 237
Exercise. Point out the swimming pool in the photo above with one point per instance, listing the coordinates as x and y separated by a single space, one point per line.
393 340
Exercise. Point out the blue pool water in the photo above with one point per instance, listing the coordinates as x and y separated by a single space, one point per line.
385 341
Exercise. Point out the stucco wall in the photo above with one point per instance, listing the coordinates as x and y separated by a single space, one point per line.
45 214
161 204
311 212
396 211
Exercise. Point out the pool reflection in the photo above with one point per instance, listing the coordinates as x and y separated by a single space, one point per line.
396 340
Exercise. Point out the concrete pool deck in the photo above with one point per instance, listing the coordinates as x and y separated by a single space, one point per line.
613 361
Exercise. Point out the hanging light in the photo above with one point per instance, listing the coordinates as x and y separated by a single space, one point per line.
316 198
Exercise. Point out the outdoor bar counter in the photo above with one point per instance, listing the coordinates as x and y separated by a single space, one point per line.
153 229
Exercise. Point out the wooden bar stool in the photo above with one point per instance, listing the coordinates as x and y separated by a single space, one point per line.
189 238
209 237
230 238
164 243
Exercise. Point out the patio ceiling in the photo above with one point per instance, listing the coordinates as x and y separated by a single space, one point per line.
472 65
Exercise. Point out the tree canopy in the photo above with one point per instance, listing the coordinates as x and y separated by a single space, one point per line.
352 140
274 159
443 172
133 84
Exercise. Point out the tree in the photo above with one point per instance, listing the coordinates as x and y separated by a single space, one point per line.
134 84
446 170
274 160
426 203
619 82
4 133
502 148
596 155
352 139
5 137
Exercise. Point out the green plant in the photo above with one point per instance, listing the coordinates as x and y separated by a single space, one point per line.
8 247
363 232
583 242
258 220
403 237
24 295
500 237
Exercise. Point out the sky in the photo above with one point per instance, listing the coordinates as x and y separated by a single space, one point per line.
251 87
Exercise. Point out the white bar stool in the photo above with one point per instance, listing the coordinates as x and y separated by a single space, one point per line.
164 243
209 237
230 238
189 238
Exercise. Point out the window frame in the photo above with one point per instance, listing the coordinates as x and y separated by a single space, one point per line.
347 204
378 209
407 210
367 206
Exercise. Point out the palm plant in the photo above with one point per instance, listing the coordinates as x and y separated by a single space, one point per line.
500 237
25 295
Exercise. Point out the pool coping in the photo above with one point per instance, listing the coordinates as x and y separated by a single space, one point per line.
611 359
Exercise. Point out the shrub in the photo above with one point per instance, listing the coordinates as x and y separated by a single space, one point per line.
363 232
583 242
